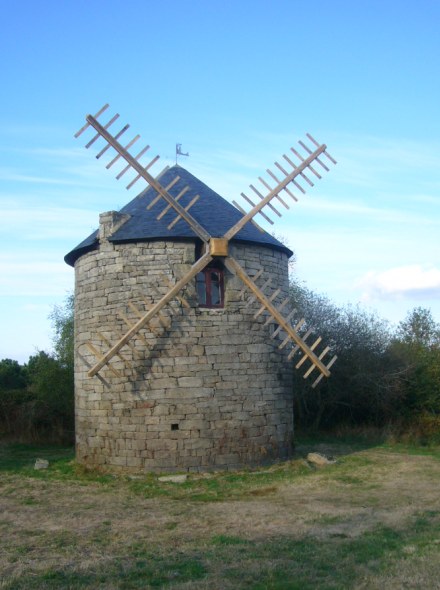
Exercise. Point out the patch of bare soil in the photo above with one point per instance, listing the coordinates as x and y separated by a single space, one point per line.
47 523
388 490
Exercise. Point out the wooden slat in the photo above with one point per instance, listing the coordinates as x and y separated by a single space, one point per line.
99 356
313 346
306 335
325 151
126 147
106 126
243 212
276 195
237 227
168 207
278 181
130 325
255 278
271 298
299 156
294 166
187 208
262 213
165 188
291 195
281 169
262 288
288 338
117 136
84 127
280 308
139 176
309 151
127 168
315 383
194 225
285 188
235 268
278 330
321 356
321 163
270 205
140 315
196 268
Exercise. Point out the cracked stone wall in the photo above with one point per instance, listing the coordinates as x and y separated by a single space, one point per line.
199 389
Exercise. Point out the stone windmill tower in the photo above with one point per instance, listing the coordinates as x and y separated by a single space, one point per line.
182 338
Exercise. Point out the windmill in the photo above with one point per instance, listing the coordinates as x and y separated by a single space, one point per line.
218 247
171 199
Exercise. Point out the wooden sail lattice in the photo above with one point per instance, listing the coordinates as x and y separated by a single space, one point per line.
112 141
298 169
287 327
289 180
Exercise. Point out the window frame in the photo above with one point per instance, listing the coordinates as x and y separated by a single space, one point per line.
207 282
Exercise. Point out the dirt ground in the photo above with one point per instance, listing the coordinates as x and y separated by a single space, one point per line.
47 523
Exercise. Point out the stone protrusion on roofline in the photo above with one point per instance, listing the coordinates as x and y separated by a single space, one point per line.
109 222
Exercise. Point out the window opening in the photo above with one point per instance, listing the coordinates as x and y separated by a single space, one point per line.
201 288
210 287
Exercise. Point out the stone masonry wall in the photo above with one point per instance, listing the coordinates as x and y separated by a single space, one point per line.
206 389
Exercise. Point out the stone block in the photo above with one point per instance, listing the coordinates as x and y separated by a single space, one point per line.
227 460
190 382
162 444
193 425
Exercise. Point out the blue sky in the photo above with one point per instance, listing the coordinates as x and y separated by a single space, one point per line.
237 83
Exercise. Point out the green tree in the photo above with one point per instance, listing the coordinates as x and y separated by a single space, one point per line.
62 318
416 347
12 375
51 387
36 400
360 389
13 394
419 329
51 376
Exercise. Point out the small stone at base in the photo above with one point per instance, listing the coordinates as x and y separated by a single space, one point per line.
173 478
41 464
319 460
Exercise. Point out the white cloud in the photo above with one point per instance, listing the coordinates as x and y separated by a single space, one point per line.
409 282
46 223
34 276
13 176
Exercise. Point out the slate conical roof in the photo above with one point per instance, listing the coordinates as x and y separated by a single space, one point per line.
211 211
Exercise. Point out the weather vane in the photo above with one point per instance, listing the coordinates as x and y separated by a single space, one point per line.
179 151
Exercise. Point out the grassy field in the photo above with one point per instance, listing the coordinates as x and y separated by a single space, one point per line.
370 520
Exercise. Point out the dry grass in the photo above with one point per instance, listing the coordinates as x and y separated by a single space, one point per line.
372 520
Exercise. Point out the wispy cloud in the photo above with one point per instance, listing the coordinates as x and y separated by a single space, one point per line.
410 282
380 163
15 176
45 223
361 211
33 276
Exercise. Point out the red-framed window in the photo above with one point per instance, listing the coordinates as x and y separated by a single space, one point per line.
210 287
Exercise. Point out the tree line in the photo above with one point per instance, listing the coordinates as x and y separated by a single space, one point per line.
386 378
36 399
